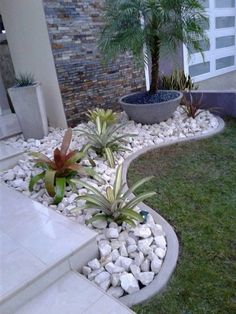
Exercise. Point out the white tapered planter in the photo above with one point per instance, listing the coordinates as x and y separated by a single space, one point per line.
29 105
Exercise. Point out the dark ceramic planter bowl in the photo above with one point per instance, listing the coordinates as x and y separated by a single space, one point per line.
154 111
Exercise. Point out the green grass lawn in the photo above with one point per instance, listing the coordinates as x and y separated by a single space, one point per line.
196 193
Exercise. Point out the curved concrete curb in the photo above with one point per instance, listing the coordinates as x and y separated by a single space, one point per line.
170 261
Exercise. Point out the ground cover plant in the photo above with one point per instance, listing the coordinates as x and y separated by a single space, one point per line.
196 184
115 205
57 173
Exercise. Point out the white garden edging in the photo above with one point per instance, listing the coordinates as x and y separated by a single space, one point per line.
160 281
174 130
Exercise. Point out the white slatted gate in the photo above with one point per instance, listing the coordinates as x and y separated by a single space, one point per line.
220 55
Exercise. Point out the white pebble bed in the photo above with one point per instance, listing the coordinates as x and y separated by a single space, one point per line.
129 257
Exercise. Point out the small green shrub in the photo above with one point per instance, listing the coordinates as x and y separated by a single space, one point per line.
105 140
58 172
25 79
108 116
177 81
114 205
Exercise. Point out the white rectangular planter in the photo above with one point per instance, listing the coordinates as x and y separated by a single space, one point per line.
29 106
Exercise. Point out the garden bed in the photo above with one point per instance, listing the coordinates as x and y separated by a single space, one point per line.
120 246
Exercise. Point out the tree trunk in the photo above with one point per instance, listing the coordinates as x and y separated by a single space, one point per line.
155 55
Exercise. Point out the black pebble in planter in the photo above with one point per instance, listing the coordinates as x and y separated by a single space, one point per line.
147 108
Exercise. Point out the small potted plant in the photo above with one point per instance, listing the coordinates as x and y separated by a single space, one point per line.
28 102
153 26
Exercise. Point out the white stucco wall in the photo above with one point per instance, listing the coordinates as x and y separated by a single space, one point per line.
30 48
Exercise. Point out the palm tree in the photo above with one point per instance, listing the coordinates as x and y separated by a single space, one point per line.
166 24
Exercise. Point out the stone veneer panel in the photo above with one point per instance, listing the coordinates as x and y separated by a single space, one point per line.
85 82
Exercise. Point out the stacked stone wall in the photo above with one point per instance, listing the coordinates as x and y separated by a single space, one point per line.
85 81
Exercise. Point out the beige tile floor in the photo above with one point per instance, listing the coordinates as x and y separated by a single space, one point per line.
32 238
73 294
35 241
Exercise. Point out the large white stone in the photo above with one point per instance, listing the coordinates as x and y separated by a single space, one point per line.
129 283
99 224
104 249
145 266
115 254
142 231
105 284
157 230
112 233
160 252
115 279
156 265
94 264
124 262
112 268
123 250
146 277
86 270
102 277
135 270
139 258
116 292
161 242
144 245
94 273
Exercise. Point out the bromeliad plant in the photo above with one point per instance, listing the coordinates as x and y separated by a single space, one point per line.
105 140
108 116
115 204
57 173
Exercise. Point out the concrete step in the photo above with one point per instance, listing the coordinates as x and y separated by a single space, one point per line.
9 125
73 294
9 156
37 247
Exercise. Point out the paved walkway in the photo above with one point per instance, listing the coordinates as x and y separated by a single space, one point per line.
222 82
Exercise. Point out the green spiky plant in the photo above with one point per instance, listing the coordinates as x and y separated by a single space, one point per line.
177 81
105 115
105 140
25 79
57 173
166 24
115 205
191 106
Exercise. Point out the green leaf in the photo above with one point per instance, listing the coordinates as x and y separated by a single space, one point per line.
101 217
75 157
136 200
60 190
110 195
109 157
129 221
99 202
49 181
99 125
35 179
87 186
135 186
118 181
131 214
92 173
